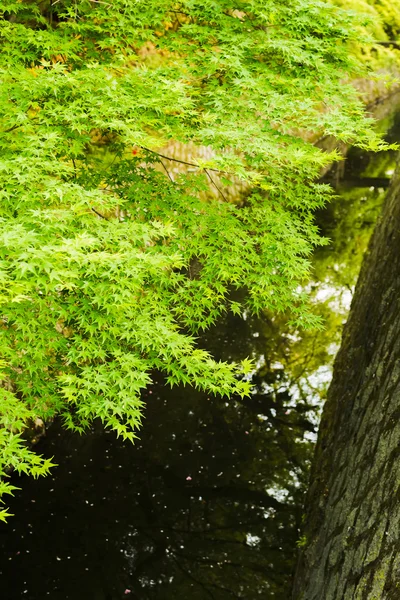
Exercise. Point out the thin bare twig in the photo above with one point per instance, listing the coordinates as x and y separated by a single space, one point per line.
215 185
166 170
184 162
11 128
99 214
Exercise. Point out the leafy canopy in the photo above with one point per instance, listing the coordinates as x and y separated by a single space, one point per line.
111 257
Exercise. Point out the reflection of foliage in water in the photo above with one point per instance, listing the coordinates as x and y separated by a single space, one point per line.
349 219
348 222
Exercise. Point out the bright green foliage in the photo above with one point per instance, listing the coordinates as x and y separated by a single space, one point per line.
385 15
109 266
380 55
14 414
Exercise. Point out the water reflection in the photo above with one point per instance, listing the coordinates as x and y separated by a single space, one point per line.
206 505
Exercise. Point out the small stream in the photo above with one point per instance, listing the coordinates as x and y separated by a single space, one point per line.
208 503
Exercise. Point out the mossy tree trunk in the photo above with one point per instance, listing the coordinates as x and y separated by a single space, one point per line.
352 527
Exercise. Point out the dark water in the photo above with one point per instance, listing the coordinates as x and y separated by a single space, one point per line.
208 503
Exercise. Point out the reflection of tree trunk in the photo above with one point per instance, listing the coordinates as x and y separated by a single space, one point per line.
352 531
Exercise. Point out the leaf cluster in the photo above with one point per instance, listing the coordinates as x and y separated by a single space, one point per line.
110 264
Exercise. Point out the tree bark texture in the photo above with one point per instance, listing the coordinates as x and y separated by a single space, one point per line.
352 524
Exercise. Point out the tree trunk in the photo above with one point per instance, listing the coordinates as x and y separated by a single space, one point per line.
352 526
